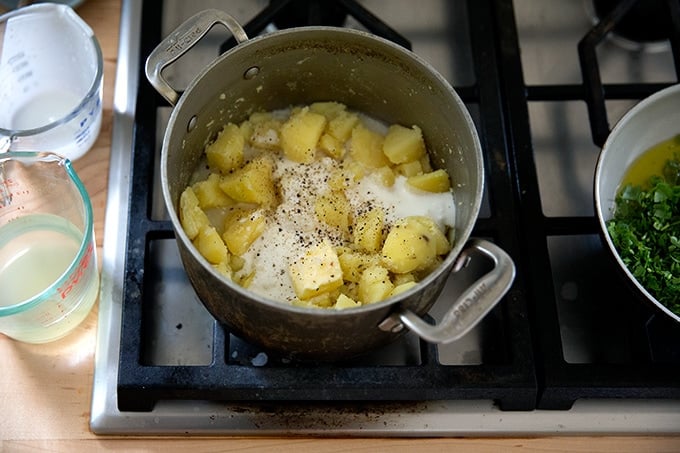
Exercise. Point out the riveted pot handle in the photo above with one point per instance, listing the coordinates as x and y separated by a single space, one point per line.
183 39
471 306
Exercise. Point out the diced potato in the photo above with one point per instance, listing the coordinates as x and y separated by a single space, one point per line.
241 228
226 152
246 129
210 245
316 271
328 109
351 290
403 144
386 176
191 216
252 183
408 247
209 193
323 300
300 135
236 263
401 288
265 134
400 279
344 301
434 234
375 285
409 169
354 169
332 146
434 181
353 264
368 230
366 147
341 126
339 179
426 164
334 209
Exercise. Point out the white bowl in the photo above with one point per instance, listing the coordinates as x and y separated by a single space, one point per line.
651 121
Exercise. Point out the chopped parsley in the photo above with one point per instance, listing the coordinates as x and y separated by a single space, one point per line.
646 232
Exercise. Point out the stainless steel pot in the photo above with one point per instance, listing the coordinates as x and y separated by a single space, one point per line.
368 74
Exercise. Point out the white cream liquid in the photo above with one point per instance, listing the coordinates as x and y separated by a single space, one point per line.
295 225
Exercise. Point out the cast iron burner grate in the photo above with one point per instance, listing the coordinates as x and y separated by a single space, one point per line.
522 366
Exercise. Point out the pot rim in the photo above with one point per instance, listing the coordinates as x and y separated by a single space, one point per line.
461 237
673 90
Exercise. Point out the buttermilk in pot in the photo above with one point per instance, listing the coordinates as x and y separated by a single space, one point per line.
320 206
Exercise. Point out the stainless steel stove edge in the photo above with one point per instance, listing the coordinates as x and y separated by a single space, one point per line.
419 419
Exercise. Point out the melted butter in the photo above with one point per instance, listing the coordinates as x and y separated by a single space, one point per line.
651 163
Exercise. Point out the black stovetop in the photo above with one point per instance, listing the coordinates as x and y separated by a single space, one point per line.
548 343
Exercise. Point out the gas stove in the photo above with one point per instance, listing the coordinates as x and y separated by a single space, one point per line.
570 349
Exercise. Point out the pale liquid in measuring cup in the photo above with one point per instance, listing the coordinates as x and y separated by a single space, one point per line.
44 109
35 251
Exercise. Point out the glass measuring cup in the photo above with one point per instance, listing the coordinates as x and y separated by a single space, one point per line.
51 72
49 279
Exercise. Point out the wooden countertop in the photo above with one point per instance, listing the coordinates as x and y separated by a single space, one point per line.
46 390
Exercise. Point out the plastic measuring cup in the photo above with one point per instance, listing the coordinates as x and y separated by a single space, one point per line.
49 279
51 71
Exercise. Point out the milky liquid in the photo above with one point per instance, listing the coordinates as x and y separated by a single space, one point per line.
44 109
35 252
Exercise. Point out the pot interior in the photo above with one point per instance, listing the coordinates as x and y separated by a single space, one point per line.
301 66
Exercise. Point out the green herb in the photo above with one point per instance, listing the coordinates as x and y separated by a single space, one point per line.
646 232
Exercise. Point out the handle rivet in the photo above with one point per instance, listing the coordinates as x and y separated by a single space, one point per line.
192 123
251 73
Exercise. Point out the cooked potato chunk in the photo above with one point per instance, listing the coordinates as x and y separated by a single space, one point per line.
341 126
434 181
386 176
241 228
368 230
332 146
210 245
353 264
209 193
300 135
435 235
329 109
403 145
226 152
366 147
375 285
409 246
344 301
191 216
252 183
317 271
409 169
334 209
401 288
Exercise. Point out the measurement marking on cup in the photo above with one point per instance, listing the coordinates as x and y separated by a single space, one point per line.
75 278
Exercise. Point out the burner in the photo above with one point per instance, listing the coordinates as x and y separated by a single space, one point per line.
646 23
297 13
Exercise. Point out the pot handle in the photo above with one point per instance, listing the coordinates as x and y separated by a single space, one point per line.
183 39
471 306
